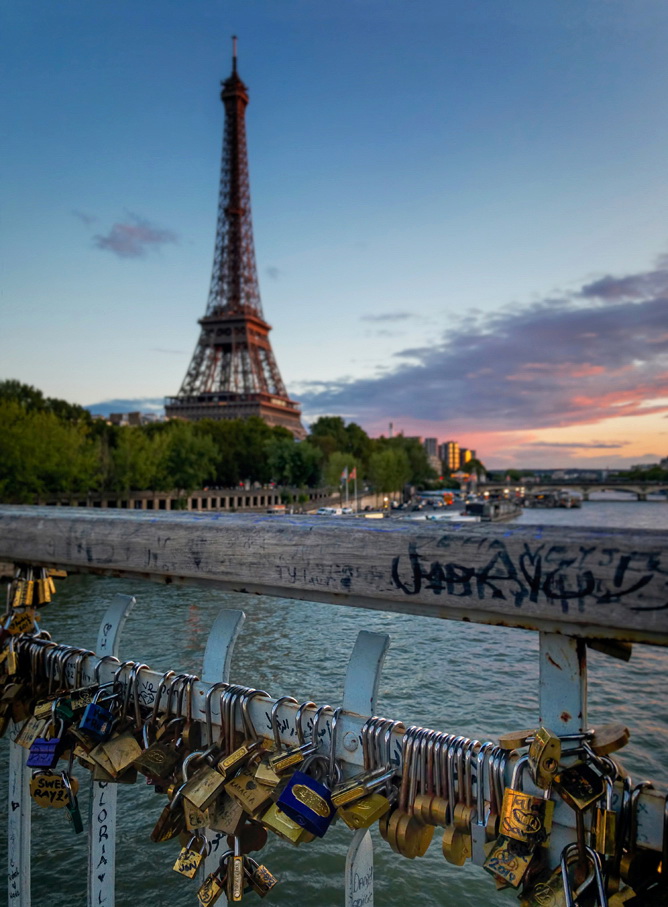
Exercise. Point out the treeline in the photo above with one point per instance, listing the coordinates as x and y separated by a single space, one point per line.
50 447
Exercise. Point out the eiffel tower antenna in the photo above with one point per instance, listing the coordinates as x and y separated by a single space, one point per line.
233 373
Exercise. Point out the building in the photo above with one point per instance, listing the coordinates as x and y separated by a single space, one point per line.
233 373
449 455
431 446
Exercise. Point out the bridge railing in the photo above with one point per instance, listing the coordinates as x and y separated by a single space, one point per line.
571 586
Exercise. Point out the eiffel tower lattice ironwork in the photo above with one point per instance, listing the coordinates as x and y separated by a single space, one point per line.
233 372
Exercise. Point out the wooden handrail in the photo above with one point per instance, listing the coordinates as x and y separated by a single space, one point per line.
605 583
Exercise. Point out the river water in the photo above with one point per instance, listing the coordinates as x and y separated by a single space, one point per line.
477 680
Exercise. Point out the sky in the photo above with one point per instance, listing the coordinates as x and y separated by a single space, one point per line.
460 210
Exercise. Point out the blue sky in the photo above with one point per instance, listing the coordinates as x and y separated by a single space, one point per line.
460 209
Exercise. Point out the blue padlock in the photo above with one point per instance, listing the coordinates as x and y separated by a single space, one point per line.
306 799
308 803
44 752
97 721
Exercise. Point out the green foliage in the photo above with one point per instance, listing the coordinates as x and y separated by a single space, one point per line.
295 463
655 473
336 464
32 400
474 468
389 469
418 461
188 458
331 434
50 447
241 449
41 455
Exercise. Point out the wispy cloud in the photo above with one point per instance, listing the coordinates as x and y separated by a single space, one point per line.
85 218
134 237
273 272
600 352
574 445
388 316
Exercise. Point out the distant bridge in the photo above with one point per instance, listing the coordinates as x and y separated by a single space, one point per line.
639 489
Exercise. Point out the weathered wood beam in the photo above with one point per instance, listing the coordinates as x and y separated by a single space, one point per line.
588 582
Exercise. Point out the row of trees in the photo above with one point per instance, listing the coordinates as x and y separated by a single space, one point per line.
50 447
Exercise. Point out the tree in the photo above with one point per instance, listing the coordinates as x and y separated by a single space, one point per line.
475 468
41 456
329 434
389 469
188 459
33 400
295 463
336 465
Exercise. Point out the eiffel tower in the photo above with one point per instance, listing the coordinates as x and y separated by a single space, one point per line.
233 373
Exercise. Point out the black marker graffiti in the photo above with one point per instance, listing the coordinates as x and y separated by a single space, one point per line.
554 572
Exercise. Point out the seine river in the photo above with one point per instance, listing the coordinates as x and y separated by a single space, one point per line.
477 680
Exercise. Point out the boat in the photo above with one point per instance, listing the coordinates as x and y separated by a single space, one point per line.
493 510
562 497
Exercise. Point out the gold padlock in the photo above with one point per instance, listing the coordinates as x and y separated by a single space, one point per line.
579 785
525 817
191 856
254 797
544 756
283 826
364 812
506 862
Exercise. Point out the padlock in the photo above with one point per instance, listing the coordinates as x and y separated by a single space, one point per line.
159 758
214 884
44 752
49 790
307 800
171 821
457 842
544 756
97 721
286 828
579 785
261 880
525 817
407 834
226 814
202 788
282 760
253 745
638 867
191 856
570 854
249 793
604 823
72 806
508 860
236 877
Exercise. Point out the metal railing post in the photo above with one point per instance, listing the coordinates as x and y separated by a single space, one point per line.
101 889
359 697
215 669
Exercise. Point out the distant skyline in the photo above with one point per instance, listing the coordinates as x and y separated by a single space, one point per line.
460 210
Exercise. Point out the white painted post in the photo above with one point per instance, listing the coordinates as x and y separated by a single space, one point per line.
18 831
215 668
359 870
102 807
359 697
562 687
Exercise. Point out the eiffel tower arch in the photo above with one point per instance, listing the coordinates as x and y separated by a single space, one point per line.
233 373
